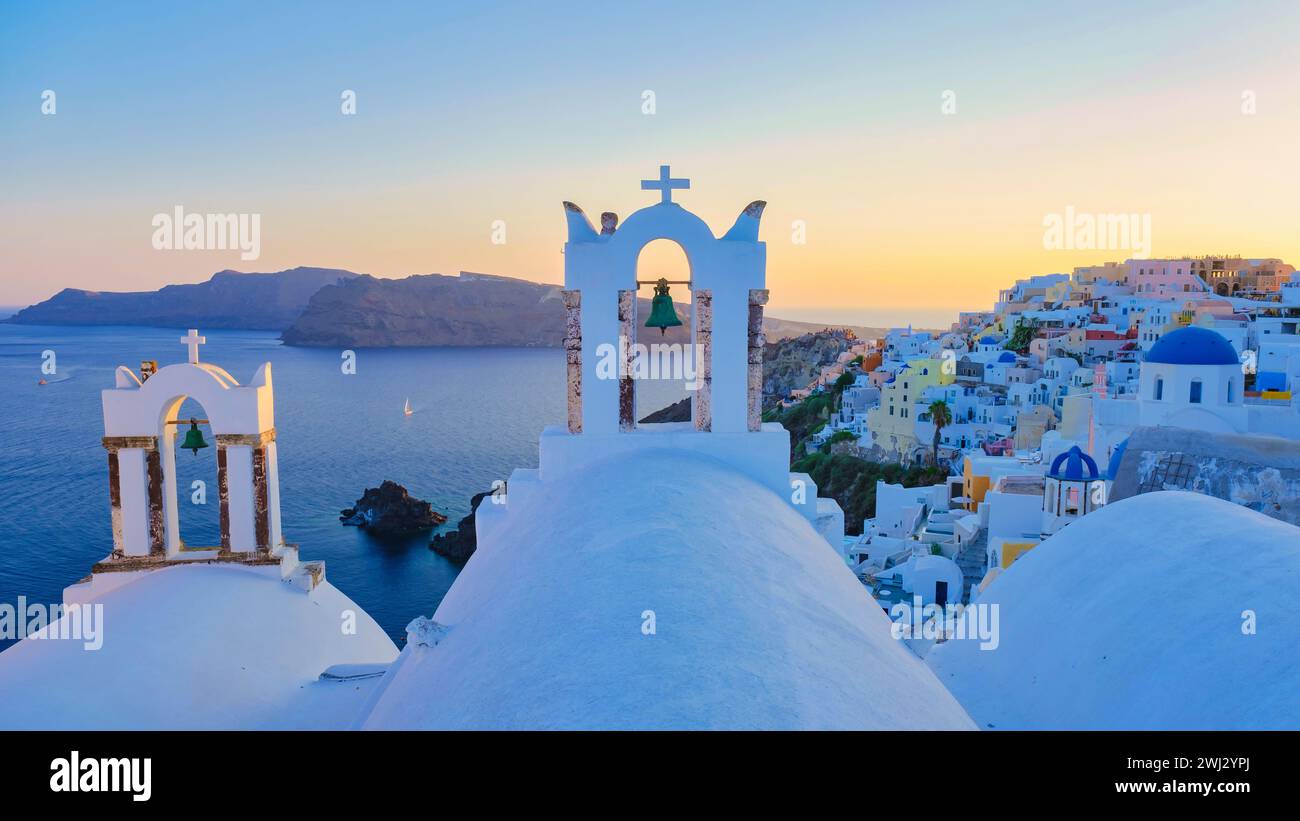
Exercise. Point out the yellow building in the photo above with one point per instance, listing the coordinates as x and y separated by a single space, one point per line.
891 423
1014 550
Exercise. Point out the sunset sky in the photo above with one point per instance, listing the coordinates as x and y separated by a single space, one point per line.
467 114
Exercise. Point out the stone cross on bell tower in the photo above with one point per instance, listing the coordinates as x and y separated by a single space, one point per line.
192 340
665 184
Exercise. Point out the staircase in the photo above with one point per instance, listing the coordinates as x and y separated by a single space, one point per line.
972 559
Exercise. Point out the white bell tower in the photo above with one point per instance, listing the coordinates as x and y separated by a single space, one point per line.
140 429
727 289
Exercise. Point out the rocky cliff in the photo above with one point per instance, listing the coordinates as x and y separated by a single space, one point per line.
331 307
792 363
230 299
469 309
431 310
436 310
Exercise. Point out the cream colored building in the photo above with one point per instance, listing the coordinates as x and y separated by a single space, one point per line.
891 423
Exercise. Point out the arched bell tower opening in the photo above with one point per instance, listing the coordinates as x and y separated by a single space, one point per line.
664 359
190 524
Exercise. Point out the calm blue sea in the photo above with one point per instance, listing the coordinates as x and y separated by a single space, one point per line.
478 413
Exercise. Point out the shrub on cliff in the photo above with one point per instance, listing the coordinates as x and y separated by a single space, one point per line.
851 481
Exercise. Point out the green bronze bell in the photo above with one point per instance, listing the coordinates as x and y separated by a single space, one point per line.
193 439
662 313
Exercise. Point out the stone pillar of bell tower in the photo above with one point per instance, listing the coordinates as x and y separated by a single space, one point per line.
757 341
702 397
573 357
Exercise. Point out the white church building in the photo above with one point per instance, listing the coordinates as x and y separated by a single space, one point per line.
1191 378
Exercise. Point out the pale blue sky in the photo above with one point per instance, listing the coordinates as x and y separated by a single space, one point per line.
472 112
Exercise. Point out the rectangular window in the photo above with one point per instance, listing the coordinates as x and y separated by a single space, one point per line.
1195 397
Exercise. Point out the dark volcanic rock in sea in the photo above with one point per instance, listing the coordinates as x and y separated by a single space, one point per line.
389 510
459 544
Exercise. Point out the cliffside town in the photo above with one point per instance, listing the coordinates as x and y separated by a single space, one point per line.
1073 391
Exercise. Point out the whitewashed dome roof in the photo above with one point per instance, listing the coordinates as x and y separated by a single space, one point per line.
198 647
758 623
1132 617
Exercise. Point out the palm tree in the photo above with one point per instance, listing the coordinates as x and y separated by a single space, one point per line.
940 416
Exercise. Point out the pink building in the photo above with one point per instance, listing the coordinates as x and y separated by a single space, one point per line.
1165 277
1222 275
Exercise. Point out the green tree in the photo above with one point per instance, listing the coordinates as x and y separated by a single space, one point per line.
941 417
1022 335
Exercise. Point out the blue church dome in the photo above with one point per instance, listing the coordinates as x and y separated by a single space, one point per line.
1112 467
988 340
1007 357
1073 465
1193 346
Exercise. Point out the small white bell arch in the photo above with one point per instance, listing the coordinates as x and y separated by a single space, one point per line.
142 457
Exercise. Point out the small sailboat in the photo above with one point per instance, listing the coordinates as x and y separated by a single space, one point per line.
407 408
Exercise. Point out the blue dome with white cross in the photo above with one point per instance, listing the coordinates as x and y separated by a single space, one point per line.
1193 346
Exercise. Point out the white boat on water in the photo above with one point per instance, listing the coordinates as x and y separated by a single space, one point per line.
407 409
